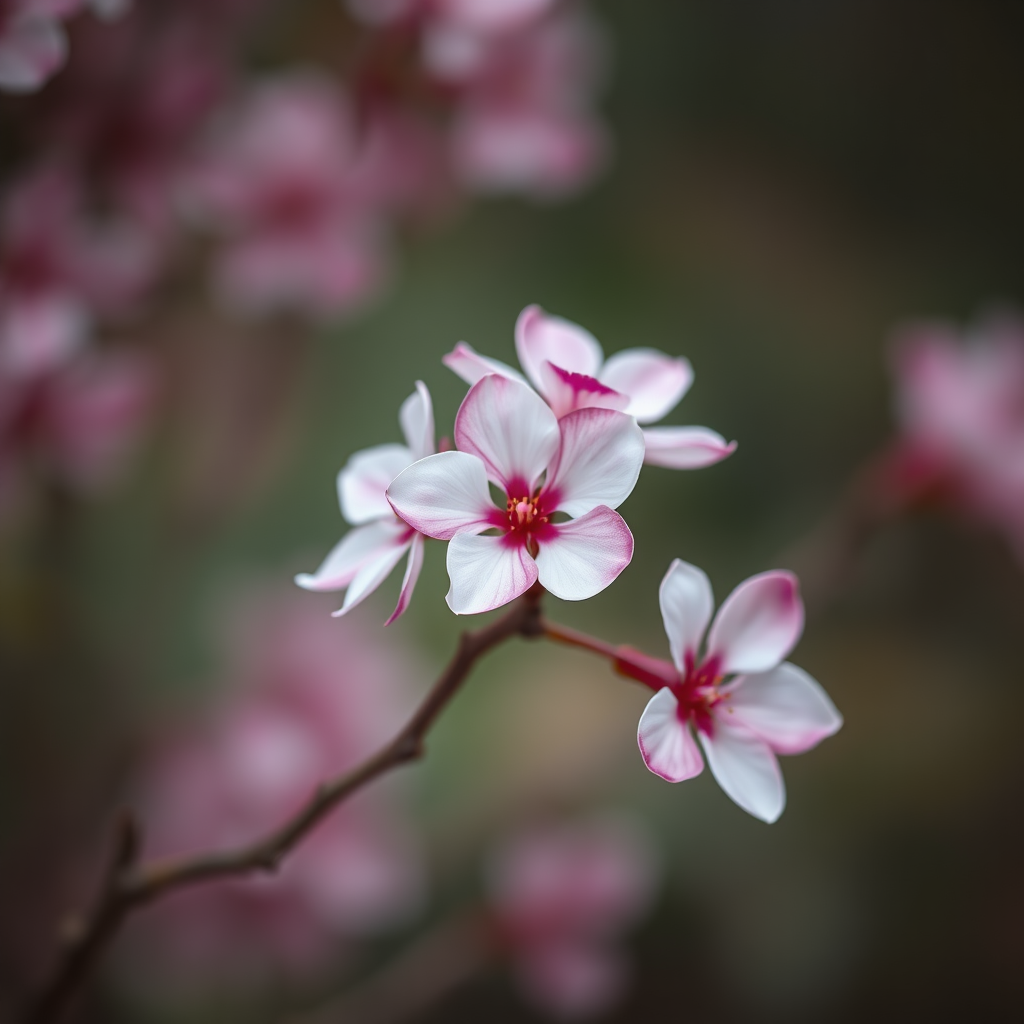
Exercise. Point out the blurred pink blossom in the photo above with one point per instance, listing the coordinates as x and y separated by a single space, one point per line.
307 698
768 707
58 270
562 896
583 466
566 364
281 180
960 402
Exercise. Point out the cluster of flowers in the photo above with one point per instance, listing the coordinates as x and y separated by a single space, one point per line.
565 456
301 180
558 894
961 408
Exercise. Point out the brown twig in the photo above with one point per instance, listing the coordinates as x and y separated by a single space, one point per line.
128 885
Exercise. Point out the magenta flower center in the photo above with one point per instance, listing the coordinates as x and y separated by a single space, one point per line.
697 693
524 514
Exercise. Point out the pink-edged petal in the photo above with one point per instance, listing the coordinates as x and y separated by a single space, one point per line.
598 461
363 483
745 767
665 740
465 361
443 494
412 574
486 572
416 418
371 576
582 557
544 339
358 548
654 381
687 602
566 391
785 707
509 426
758 623
32 48
685 447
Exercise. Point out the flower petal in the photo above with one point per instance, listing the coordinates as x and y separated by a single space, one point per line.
654 381
583 556
508 426
566 391
443 494
471 366
687 602
412 574
416 418
363 483
785 707
745 767
685 447
598 461
665 740
486 572
758 623
371 576
357 549
544 339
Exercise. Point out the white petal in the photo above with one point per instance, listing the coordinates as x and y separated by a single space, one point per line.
654 381
785 707
416 418
486 572
357 549
371 576
758 623
745 767
585 555
665 740
598 461
541 339
363 483
412 574
686 603
566 391
471 366
443 494
508 426
685 447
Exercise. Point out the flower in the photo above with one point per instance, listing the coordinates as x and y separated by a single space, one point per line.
583 466
565 364
961 407
365 556
769 707
560 896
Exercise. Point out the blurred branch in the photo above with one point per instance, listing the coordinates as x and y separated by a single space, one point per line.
128 885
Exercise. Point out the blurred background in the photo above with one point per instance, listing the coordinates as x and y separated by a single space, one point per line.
772 191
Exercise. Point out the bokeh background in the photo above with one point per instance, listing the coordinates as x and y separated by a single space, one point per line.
789 183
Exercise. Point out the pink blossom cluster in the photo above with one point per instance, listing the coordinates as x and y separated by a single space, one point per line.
960 403
304 700
561 896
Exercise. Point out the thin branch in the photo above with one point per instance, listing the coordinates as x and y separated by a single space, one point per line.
128 885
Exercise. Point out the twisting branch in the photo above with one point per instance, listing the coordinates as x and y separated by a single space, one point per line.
129 885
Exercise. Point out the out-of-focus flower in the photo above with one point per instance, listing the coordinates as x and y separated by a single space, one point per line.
961 407
769 707
562 896
58 271
33 44
365 556
76 424
565 363
309 699
280 180
583 466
